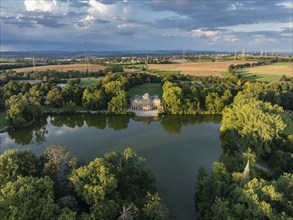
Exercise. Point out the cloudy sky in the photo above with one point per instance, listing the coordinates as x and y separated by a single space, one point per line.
223 25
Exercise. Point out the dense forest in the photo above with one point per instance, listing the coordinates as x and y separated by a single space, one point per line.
252 130
57 185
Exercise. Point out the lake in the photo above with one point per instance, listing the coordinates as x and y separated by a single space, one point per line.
174 147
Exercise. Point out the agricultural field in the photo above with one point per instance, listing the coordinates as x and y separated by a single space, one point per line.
197 69
277 69
63 68
151 88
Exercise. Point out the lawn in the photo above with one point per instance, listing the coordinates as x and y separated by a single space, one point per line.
260 77
3 120
151 88
226 74
89 81
166 72
282 64
277 69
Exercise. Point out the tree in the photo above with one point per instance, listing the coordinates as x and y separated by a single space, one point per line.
55 97
28 198
23 109
257 123
14 163
59 162
154 209
118 104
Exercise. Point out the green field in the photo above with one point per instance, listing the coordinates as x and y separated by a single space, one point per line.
3 120
151 88
226 74
165 72
89 81
282 64
252 76
260 77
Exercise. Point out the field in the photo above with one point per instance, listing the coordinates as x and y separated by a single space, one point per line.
197 69
151 88
63 68
88 81
277 69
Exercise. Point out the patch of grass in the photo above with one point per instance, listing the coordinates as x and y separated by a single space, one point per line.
282 64
151 88
3 120
226 74
260 77
166 72
89 81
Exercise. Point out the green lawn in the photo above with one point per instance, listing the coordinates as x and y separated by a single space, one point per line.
259 77
165 72
151 88
226 74
283 64
88 81
252 76
3 121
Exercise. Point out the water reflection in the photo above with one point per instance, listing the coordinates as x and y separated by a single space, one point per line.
33 134
37 132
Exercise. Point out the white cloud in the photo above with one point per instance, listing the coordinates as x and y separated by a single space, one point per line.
288 4
203 33
108 11
46 6
234 6
85 22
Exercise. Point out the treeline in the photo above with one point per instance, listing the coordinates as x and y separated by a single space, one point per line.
24 101
52 76
252 129
57 185
195 98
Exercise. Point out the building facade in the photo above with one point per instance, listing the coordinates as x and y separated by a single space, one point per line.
145 102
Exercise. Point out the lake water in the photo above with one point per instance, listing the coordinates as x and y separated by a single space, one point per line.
174 146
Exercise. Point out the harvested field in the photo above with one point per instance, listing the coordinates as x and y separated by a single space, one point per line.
277 69
63 68
197 69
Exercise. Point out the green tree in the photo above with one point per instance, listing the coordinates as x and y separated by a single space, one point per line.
55 97
257 123
23 109
58 163
118 104
14 163
154 209
28 198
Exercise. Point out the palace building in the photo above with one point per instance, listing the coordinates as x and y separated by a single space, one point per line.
145 102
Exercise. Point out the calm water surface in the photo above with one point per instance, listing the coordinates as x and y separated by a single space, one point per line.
174 146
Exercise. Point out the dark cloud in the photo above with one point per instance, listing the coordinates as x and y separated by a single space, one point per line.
216 13
30 21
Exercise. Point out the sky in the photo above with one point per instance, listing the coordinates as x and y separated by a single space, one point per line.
217 25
